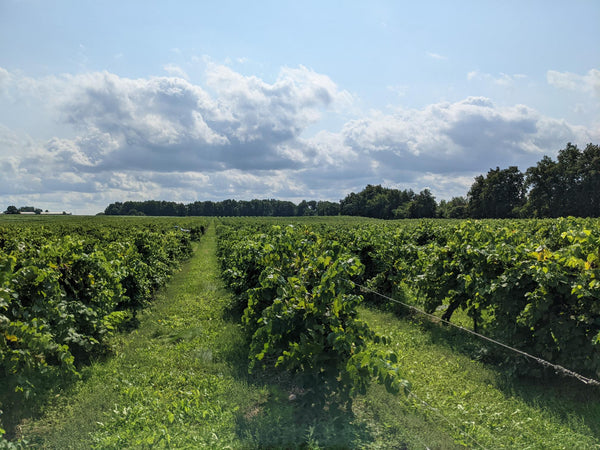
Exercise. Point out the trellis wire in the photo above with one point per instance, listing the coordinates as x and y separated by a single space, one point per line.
557 368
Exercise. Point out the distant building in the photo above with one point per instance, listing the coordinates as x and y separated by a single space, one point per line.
45 213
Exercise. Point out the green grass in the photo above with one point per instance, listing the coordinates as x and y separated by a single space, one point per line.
479 405
180 381
169 383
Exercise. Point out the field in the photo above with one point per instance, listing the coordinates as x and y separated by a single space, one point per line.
248 333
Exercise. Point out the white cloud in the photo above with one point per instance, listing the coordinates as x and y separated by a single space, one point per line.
4 78
437 56
176 71
240 137
463 136
588 83
399 90
502 79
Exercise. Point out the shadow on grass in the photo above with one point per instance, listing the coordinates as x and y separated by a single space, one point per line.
22 401
566 398
275 421
282 415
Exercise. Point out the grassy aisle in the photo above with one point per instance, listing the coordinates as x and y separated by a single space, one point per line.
477 404
170 383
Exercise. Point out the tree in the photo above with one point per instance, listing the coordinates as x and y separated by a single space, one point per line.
590 184
423 205
378 206
11 210
350 205
500 194
545 189
569 186
325 208
284 209
456 208
307 208
376 201
114 209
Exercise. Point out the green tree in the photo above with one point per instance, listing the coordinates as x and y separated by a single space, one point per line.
569 186
376 201
11 210
545 189
325 208
590 184
456 208
307 208
423 205
500 194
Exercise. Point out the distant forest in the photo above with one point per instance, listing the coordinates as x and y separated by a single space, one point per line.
569 186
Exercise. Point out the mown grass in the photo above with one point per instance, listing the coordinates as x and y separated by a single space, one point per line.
478 404
180 381
168 383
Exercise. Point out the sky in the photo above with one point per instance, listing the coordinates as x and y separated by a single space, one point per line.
105 101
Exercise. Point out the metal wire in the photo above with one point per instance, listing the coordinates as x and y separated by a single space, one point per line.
559 369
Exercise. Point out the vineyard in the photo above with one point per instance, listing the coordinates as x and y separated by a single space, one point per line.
534 285
66 287
307 295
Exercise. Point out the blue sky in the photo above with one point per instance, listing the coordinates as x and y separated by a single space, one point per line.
104 101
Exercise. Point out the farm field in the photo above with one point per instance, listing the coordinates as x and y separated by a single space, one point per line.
332 365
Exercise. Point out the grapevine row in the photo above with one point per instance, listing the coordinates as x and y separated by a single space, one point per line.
300 311
65 287
532 284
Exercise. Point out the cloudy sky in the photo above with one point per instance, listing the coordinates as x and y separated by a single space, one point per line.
104 101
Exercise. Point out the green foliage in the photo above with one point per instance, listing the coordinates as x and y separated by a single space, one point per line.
301 313
423 205
500 194
65 289
227 208
569 186
378 202
530 284
456 208
180 380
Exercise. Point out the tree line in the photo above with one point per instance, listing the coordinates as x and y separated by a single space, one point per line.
567 186
270 207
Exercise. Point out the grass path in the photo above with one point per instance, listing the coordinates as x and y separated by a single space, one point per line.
477 404
170 383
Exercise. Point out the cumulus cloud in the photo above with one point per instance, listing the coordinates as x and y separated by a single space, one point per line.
176 71
168 123
275 112
461 136
588 83
4 78
437 56
243 137
502 79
